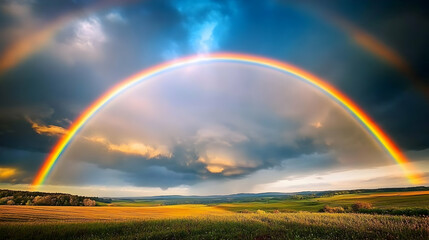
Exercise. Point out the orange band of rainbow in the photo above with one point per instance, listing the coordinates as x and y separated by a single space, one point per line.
329 90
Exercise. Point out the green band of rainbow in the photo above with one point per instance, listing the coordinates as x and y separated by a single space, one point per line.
329 90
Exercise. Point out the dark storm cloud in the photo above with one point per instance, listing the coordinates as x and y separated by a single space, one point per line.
25 163
34 91
159 176
173 172
184 167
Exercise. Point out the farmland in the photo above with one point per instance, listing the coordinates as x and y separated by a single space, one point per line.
237 226
79 214
398 200
255 217
379 200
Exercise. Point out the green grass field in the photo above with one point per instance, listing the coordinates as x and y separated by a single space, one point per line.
236 226
399 200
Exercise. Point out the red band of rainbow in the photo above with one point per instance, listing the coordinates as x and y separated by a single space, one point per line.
329 90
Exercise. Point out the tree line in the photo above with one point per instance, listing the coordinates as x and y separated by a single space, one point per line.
11 197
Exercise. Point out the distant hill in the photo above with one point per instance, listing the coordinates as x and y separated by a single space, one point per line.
276 194
253 197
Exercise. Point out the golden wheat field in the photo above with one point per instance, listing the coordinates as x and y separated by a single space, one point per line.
79 214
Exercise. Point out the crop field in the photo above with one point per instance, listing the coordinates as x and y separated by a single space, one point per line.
268 218
236 226
379 200
79 214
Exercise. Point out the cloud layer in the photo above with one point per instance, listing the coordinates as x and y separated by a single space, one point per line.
218 122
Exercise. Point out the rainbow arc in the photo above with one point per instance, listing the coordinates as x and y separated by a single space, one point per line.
381 137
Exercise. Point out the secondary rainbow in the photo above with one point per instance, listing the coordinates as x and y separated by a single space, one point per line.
317 82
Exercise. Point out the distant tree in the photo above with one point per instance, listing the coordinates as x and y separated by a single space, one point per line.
297 197
88 202
61 200
4 200
74 201
329 209
361 205
51 200
41 198
38 200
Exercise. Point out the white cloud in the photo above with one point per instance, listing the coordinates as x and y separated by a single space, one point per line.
83 41
49 130
383 176
203 39
88 34
133 148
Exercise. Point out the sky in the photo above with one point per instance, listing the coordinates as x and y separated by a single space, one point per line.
218 127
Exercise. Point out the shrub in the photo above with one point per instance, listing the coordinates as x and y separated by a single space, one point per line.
422 212
329 209
260 211
244 211
10 202
361 205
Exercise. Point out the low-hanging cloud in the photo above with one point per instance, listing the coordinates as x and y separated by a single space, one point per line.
49 130
133 148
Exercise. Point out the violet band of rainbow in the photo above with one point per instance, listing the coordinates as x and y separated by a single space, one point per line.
382 138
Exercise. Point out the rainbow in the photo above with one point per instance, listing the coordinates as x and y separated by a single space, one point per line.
317 82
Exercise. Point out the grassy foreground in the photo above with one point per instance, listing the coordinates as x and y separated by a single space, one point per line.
236 226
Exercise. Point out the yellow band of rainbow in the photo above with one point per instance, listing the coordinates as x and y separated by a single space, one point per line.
329 90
